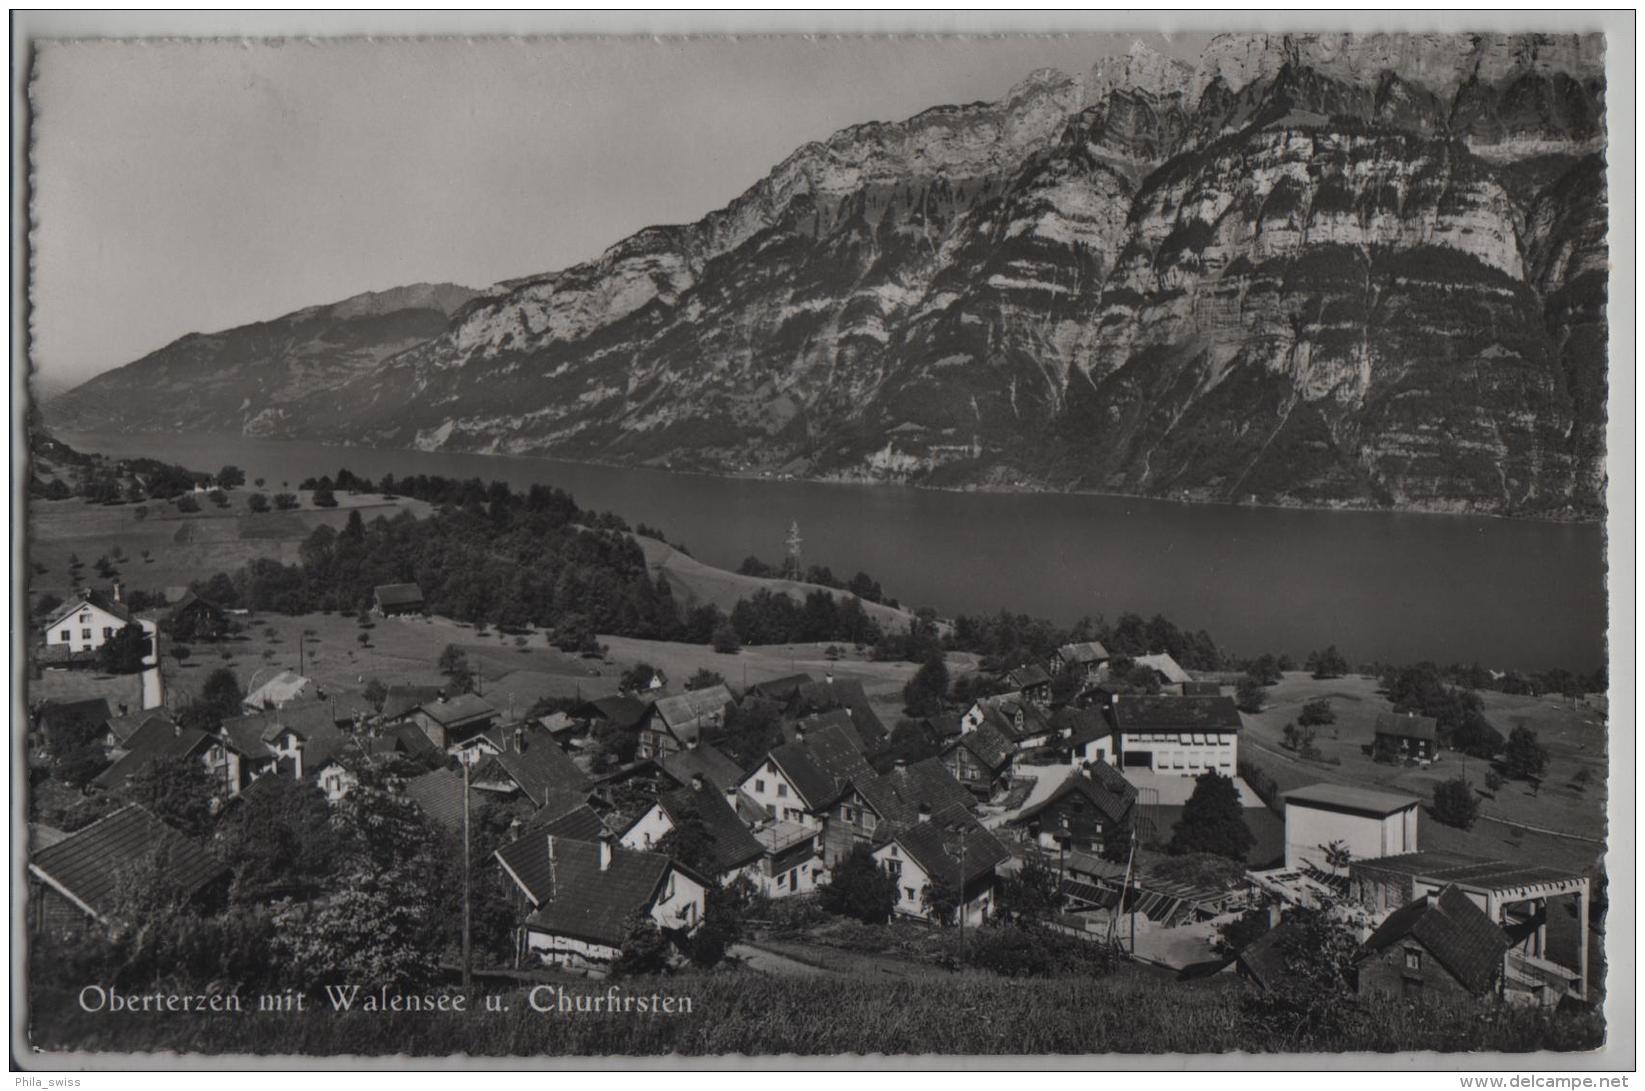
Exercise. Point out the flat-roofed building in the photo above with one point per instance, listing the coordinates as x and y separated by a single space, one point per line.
1366 822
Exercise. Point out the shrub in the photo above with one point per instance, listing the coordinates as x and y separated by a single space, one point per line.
1455 803
257 502
187 504
1524 757
725 639
1317 713
860 889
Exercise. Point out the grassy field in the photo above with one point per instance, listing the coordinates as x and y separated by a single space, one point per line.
1574 818
182 548
745 1012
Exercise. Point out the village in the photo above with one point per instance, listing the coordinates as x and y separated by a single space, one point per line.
1095 808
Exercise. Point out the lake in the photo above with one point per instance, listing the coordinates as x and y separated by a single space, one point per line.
1384 586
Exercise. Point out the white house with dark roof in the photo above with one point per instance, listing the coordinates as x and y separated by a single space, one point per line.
951 848
88 622
1368 823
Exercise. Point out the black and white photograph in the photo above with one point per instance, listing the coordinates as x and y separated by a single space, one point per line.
563 547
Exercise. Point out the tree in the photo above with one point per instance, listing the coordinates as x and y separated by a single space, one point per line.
1213 820
725 639
221 693
1337 856
281 841
285 501
257 502
1249 695
1235 935
46 603
928 689
1524 757
704 679
323 496
1493 781
454 665
140 512
637 678
376 693
1329 663
187 504
722 922
218 497
1031 894
645 950
941 900
367 931
123 653
1317 713
230 477
860 889
177 791
1455 803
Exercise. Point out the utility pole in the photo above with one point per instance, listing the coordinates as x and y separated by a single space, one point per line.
793 542
468 978
299 653
962 898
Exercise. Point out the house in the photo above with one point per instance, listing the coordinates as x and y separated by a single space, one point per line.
298 741
449 724
391 599
51 718
440 795
733 849
790 860
1084 660
157 740
1437 946
1165 668
846 694
1027 723
587 894
337 779
119 730
1087 735
80 877
566 817
516 758
653 681
88 622
1404 737
1517 897
195 618
279 691
1032 682
1202 689
782 690
403 700
1182 735
1263 960
675 723
792 786
1368 824
981 759
1093 810
703 760
952 849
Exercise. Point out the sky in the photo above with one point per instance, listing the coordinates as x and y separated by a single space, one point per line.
192 187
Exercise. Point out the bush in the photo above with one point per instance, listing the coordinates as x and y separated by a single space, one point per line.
725 639
1015 951
257 502
1524 757
187 504
1249 695
860 889
285 501
1329 663
1317 713
1455 803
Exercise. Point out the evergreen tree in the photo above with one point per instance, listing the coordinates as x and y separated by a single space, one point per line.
1213 820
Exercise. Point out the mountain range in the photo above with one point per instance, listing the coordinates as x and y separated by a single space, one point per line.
1334 270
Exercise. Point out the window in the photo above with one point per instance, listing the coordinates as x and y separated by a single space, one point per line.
782 881
913 897
1413 960
894 867
770 767
770 811
782 791
67 635
794 878
759 785
107 632
85 634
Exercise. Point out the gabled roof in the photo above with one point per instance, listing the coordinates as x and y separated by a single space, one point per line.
941 844
880 793
93 710
88 597
440 795
1454 930
781 689
1082 725
928 782
157 740
988 744
88 866
1264 958
193 601
1132 712
1028 675
1407 726
581 822
1202 689
1164 666
816 787
398 594
282 688
255 734
816 721
837 751
124 727
1340 797
536 763
684 715
412 739
843 693
1083 652
576 898
621 710
734 846
1099 783
461 709
705 761
404 700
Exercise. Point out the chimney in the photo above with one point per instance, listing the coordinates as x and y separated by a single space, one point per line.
123 708
696 782
829 677
119 592
899 765
605 850
176 730
731 798
519 738
925 812
551 852
799 732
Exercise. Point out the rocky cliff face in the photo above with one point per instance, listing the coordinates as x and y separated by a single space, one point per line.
1319 269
